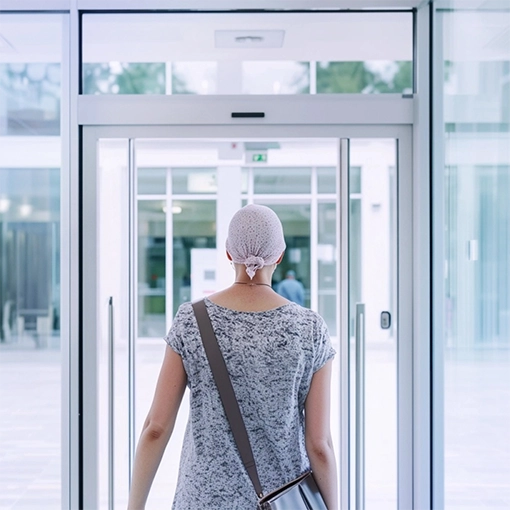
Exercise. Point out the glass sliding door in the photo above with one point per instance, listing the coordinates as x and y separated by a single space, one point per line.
156 213
373 319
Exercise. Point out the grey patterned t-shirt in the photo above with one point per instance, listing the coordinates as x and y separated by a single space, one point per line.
271 357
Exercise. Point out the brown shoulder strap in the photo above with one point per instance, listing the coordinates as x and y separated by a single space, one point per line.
227 395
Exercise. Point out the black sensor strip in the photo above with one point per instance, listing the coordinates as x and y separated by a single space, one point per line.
250 115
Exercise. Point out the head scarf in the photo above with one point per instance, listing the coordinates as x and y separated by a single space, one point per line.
255 238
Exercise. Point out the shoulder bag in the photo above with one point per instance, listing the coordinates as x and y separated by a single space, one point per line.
299 494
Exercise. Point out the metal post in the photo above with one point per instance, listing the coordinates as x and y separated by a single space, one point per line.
111 402
360 406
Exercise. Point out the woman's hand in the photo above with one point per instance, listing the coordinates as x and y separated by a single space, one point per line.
319 445
157 428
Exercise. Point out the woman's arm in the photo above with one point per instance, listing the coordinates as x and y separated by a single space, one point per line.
319 445
157 428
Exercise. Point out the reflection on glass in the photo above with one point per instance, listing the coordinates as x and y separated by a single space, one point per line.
30 313
188 181
151 268
476 342
282 180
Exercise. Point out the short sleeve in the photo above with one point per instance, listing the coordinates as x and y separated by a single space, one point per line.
323 350
175 336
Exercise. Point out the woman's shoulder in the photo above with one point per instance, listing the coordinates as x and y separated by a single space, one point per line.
184 314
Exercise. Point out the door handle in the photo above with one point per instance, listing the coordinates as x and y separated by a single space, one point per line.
360 406
110 405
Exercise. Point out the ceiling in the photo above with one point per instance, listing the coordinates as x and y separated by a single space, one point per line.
287 37
194 37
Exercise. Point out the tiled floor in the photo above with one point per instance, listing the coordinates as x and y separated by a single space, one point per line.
477 431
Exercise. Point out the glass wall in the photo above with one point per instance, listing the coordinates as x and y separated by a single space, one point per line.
30 161
476 173
221 53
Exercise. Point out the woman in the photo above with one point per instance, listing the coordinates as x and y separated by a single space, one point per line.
279 358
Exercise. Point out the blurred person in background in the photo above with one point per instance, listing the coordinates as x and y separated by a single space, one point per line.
292 289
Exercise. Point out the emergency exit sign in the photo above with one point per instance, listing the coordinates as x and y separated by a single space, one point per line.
259 157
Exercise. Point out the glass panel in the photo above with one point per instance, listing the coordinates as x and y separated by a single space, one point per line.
30 362
244 180
193 180
194 77
326 180
370 77
276 77
193 264
282 180
327 261
113 282
222 53
476 341
124 78
151 268
355 180
152 181
295 219
372 281
194 250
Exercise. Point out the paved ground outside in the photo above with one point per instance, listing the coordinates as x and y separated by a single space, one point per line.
477 430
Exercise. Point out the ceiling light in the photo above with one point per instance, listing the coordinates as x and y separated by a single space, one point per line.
249 38
176 209
25 210
5 203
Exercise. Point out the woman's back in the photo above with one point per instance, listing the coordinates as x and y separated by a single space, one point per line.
271 356
273 351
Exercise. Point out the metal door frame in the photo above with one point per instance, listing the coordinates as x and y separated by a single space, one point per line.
104 113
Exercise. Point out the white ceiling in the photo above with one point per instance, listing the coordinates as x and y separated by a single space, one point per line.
309 36
191 37
185 37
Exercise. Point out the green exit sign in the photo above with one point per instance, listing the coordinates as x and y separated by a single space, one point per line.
259 157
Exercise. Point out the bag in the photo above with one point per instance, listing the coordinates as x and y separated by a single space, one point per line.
299 494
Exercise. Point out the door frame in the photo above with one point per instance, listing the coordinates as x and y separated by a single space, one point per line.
90 136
